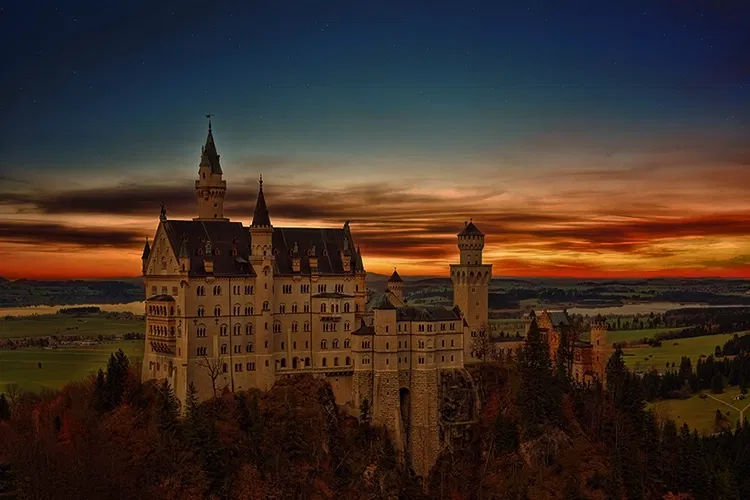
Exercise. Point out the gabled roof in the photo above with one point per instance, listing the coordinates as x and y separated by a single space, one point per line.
426 313
470 229
382 302
224 237
558 318
328 244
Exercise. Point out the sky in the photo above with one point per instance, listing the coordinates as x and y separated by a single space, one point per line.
584 138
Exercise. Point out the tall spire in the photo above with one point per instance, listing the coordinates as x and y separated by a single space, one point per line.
260 215
209 154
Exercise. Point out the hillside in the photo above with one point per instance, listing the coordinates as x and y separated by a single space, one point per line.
22 292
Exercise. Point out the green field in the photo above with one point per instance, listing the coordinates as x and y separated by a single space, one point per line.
699 413
629 335
644 358
61 324
59 366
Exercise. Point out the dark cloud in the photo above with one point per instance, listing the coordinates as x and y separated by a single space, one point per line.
43 234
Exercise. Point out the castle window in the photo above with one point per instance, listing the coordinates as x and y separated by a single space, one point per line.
223 330
201 311
294 345
442 358
347 326
217 311
217 290
286 289
307 361
335 343
249 347
399 344
339 288
346 307
265 344
307 344
283 362
429 328
238 349
174 290
451 342
295 326
251 367
304 288
307 326
201 351
421 344
386 328
324 362
237 329
236 310
224 348
201 290
451 357
322 308
265 306
323 344
225 368
335 361
356 307
248 329
365 361
282 308
453 326
294 308
277 327
248 289
163 264
282 346
442 343
266 363
442 327
387 361
348 361
248 310
306 308
322 288
420 328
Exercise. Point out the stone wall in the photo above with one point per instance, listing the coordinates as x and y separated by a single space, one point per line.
424 433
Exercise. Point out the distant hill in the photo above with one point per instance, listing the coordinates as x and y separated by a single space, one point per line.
23 292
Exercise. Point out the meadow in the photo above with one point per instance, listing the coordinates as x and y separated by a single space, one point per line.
60 365
630 335
700 413
90 325
671 351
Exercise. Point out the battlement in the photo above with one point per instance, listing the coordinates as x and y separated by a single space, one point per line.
600 326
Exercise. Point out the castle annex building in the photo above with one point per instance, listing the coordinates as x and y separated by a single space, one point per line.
234 307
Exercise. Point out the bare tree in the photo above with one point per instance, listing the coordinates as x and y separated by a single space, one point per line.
483 348
214 366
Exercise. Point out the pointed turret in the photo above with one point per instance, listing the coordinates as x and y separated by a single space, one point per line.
209 155
260 215
144 256
210 188
396 285
395 278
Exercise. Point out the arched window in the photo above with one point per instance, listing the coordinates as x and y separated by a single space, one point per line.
237 329
277 327
347 344
347 326
265 305
295 326
346 307
224 348
335 361
249 348
324 362
249 330
217 311
201 311
223 330
348 361
322 308
217 290
307 361
248 310
283 362
307 326
323 344
236 310
294 308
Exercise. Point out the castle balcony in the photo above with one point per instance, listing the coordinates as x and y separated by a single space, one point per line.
330 316
317 370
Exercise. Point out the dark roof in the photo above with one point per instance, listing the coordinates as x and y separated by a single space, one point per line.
559 318
395 278
382 302
160 298
224 236
469 229
582 345
209 155
328 244
364 329
146 250
426 313
260 215
332 295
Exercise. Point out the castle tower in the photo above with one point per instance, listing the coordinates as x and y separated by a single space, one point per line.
261 259
210 188
471 280
385 384
396 285
602 348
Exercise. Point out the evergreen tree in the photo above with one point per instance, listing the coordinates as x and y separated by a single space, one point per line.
540 396
100 398
191 403
117 374
365 413
4 408
717 383
167 410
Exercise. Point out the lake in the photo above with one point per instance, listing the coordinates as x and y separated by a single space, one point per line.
137 307
641 308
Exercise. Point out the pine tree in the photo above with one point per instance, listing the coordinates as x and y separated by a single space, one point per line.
4 408
540 397
100 398
717 383
117 374
167 410
191 403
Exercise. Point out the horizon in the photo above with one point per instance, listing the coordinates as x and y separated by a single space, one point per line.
585 141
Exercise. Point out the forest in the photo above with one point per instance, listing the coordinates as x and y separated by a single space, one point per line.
539 436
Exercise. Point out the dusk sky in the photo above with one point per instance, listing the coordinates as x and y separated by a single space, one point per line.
585 138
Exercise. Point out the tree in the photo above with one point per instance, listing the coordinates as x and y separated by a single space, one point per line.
191 403
167 409
717 383
4 408
483 348
564 358
214 366
540 397
365 412
117 374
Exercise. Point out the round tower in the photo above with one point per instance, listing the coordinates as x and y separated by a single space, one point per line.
602 348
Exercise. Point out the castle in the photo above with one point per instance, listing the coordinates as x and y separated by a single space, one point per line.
232 307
